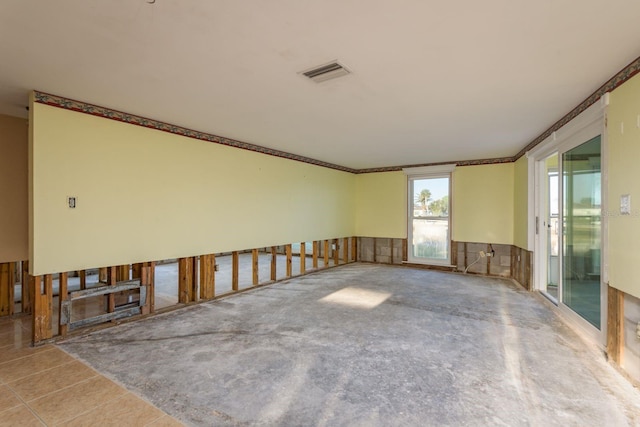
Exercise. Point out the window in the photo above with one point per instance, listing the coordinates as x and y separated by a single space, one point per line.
429 213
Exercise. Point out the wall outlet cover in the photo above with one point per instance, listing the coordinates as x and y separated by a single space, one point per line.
625 204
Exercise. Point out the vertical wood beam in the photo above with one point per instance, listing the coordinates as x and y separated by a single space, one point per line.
375 249
151 295
274 263
315 253
255 267
405 250
136 270
143 274
488 259
63 295
42 308
82 274
235 270
303 258
111 281
123 273
466 258
186 280
354 248
6 288
326 253
289 256
454 253
615 324
26 288
207 276
391 243
336 252
345 249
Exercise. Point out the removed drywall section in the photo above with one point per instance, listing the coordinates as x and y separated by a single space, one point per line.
382 250
623 128
483 203
631 337
13 189
142 194
381 204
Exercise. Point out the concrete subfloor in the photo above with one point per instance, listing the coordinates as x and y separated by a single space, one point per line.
367 345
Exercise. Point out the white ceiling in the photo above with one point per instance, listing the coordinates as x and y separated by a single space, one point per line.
432 80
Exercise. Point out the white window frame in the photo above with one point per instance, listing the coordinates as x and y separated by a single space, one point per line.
427 172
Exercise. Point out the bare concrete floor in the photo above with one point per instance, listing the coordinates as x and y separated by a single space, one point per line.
366 345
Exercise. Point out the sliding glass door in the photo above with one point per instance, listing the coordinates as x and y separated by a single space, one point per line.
581 216
569 229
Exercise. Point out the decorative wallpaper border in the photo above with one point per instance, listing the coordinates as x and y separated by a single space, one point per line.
493 161
95 110
82 107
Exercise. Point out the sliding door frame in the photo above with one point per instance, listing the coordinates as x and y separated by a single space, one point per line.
587 125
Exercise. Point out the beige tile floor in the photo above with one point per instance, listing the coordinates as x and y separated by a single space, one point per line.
45 386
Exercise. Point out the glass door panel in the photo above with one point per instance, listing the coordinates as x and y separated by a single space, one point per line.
551 226
581 195
429 220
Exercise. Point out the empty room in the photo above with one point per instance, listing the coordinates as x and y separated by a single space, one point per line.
290 213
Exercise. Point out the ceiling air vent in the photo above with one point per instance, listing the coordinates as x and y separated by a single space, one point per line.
326 72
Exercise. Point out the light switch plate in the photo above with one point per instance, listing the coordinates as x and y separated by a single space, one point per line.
625 204
71 202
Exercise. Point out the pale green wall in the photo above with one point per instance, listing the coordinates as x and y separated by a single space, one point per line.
483 204
521 203
624 178
144 194
381 205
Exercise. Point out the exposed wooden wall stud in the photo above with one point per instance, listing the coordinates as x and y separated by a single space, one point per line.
303 258
314 255
186 280
143 274
26 288
42 323
615 324
326 253
63 295
6 288
112 279
336 252
151 295
289 256
345 250
354 248
235 270
123 273
405 250
375 249
82 274
255 266
136 270
207 276
274 262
